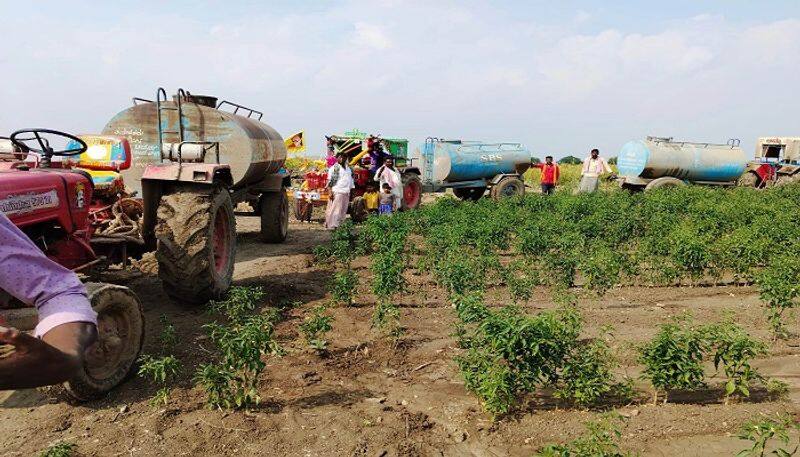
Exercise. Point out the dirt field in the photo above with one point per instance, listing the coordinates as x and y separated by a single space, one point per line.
367 398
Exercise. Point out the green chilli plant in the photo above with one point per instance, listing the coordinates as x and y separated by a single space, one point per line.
315 327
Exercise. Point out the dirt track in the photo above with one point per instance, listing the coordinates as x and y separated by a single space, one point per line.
369 399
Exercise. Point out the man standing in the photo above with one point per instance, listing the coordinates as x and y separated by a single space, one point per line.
550 175
67 323
340 182
388 174
593 167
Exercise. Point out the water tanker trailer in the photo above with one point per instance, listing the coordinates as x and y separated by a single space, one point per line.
194 159
472 167
661 162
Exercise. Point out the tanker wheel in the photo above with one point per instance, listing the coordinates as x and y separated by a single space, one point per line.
748 179
666 181
469 193
358 210
412 191
507 187
303 209
274 216
196 250
120 334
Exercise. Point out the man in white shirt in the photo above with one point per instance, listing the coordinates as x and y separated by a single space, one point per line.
388 174
340 181
593 167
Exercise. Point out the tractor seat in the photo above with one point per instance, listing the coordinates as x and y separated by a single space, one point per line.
104 158
106 182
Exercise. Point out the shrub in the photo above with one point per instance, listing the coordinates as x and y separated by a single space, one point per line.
587 375
761 432
386 318
61 449
733 351
239 302
779 286
600 441
160 370
315 327
673 358
243 341
343 286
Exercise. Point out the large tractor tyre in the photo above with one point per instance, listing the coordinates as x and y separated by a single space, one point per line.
666 181
274 217
507 187
748 179
303 209
120 334
412 191
784 179
358 210
196 251
469 193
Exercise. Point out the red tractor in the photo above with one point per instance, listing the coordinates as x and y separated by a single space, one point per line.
364 153
57 206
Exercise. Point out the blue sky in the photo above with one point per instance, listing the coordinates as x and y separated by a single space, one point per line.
562 77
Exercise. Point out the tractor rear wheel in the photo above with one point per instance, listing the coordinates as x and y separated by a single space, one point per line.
748 179
507 187
666 181
196 235
274 216
412 191
469 193
358 210
120 334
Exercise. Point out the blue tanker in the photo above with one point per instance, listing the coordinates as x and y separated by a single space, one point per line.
472 167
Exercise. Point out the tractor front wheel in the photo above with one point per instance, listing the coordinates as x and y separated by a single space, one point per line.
196 235
120 334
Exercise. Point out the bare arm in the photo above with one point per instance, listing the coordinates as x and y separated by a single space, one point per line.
33 362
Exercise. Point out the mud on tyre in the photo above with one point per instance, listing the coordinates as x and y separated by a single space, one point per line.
196 235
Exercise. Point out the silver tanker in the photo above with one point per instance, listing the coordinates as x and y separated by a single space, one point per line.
660 162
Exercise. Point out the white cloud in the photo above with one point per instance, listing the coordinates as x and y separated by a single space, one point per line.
370 36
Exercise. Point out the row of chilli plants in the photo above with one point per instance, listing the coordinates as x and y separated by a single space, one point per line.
672 237
681 236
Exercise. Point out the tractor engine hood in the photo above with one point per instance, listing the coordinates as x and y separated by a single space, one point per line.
36 196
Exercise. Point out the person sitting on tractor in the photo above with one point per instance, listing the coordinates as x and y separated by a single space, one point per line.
67 324
388 174
378 156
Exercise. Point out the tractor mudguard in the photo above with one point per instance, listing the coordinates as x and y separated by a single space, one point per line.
197 173
499 177
159 180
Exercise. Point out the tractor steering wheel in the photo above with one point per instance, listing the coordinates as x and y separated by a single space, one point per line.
46 150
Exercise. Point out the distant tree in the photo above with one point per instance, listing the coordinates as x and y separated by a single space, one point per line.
536 160
612 161
570 160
